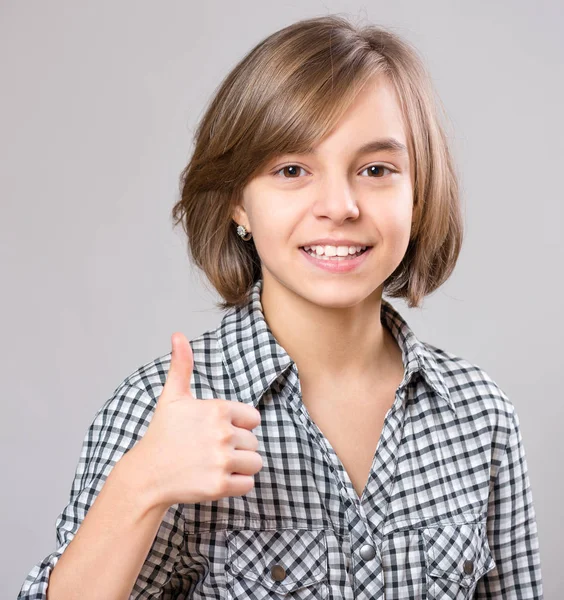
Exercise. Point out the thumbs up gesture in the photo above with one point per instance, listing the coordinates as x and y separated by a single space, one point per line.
197 450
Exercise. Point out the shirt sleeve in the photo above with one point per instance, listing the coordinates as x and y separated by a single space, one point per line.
512 529
116 428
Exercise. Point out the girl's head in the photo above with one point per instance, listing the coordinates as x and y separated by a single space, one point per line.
278 152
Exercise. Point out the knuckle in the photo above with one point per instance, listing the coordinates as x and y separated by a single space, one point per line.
224 462
215 489
220 486
221 409
225 434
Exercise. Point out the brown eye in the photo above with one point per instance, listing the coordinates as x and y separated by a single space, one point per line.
376 170
292 169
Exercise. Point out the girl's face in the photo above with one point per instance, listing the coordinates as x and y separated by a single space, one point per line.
336 192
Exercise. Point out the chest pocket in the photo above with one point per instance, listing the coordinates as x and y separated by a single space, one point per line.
289 563
456 557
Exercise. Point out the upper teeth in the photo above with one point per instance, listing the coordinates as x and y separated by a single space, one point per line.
335 250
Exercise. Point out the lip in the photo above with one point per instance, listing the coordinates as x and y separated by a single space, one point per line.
332 242
337 266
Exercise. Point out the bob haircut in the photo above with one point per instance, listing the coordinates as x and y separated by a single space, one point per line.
286 95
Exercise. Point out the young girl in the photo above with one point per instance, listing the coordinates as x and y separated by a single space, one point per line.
311 446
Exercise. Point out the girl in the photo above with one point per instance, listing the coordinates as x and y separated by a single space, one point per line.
311 446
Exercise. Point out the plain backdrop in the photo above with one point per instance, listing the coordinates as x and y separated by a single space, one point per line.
99 101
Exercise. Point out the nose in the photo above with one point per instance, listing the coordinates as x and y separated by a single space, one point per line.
335 200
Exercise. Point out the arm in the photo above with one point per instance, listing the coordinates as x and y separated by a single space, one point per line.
113 538
512 528
105 556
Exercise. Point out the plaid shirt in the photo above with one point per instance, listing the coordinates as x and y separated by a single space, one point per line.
447 511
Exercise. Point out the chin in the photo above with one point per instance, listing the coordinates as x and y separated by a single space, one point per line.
337 295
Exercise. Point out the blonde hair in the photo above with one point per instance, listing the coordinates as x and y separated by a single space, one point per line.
283 97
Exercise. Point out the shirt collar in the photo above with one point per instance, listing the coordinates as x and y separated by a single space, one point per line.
254 359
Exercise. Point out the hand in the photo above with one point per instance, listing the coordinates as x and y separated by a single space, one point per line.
196 450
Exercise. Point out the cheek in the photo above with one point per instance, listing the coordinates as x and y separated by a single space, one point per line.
395 219
276 219
272 229
401 222
394 225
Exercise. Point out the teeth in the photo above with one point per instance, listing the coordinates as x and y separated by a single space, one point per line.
334 250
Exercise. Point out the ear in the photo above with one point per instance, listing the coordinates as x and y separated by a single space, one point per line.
240 215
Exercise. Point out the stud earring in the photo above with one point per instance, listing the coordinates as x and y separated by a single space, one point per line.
245 235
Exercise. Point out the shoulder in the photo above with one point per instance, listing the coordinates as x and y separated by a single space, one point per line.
472 389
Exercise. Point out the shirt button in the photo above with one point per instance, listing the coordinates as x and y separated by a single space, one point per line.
468 566
278 572
367 552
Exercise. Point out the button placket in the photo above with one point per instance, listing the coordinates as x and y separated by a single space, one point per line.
368 565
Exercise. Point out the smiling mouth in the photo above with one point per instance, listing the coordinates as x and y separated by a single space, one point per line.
334 257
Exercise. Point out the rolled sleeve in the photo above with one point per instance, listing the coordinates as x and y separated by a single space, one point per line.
116 428
512 528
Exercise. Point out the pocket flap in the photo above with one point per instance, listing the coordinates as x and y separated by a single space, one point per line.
459 552
282 560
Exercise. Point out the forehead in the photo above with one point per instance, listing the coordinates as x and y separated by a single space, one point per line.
375 113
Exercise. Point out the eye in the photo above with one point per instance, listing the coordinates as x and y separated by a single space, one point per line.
293 167
378 169
374 169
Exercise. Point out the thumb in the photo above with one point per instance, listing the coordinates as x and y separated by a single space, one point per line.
181 367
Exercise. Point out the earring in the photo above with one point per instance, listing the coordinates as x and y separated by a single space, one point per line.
245 235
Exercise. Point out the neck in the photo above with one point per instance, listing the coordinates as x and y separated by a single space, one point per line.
334 344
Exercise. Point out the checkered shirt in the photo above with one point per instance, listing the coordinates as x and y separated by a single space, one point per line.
447 511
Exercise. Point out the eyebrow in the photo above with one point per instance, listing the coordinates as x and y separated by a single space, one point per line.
388 144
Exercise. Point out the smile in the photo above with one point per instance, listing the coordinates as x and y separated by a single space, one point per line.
337 264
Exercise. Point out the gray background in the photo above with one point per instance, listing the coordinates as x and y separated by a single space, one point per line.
99 102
